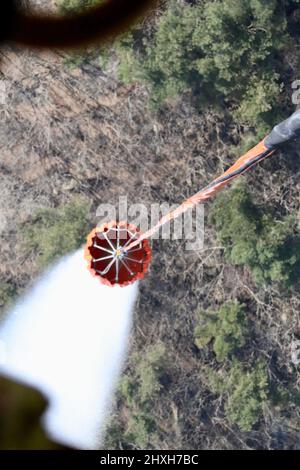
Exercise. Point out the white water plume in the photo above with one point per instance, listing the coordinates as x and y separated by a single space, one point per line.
68 337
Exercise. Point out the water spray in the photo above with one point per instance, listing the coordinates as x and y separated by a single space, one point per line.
68 338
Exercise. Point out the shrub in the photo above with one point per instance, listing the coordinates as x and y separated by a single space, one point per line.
123 46
55 232
227 328
77 59
252 236
69 6
141 430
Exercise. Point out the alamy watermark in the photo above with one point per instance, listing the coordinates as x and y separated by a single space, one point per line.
188 226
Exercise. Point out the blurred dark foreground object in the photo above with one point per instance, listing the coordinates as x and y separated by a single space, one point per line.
7 15
21 409
97 24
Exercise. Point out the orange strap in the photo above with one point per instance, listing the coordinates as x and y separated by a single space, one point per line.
243 164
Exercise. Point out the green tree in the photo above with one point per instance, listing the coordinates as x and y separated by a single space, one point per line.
55 232
245 393
138 388
143 383
220 50
252 236
7 295
149 371
248 395
228 329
